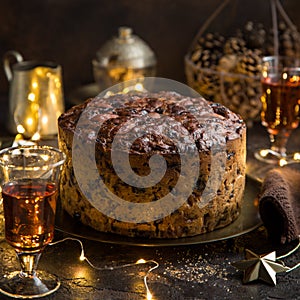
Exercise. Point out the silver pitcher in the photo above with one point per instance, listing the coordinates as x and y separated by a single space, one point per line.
35 96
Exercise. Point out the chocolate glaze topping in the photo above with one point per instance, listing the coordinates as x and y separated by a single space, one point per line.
126 113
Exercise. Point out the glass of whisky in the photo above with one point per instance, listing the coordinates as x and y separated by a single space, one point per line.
29 182
280 107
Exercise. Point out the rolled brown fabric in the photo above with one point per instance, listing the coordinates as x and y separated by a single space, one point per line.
279 204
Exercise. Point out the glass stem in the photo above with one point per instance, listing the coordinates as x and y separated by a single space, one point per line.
28 263
279 141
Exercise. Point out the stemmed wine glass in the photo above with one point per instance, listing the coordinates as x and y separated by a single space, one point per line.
29 182
280 107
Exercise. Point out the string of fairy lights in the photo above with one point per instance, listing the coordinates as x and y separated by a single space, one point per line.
155 264
82 258
279 258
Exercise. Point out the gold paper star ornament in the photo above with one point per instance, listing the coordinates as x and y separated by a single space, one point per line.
263 267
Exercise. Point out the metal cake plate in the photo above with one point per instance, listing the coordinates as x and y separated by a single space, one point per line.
247 221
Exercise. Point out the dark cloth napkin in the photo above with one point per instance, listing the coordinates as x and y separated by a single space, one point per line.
279 204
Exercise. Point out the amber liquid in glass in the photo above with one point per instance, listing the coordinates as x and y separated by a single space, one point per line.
280 105
29 211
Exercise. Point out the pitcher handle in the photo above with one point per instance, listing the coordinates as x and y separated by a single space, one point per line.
6 62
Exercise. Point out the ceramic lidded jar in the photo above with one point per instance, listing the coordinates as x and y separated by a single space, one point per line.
123 58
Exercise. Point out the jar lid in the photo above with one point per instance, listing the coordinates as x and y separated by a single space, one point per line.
126 50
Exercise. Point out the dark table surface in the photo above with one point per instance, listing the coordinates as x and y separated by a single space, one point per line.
192 272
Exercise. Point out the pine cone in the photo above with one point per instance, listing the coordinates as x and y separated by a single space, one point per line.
227 63
242 93
288 40
206 55
208 50
235 45
254 35
242 97
250 63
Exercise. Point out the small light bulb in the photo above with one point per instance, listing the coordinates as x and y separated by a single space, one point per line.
108 94
141 261
264 152
31 97
29 121
36 137
82 257
45 120
20 129
126 90
149 295
34 84
265 74
282 162
297 156
139 87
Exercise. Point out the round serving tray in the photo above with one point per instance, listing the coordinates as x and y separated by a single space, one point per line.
247 221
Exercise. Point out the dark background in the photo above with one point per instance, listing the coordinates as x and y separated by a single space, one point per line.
70 31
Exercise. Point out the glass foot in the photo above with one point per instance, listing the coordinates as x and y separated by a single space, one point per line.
272 157
17 286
